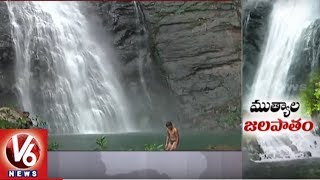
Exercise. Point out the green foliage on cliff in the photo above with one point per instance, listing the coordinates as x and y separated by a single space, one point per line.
12 119
310 96
231 119
18 124
4 124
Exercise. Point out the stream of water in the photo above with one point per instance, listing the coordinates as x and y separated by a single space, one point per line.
63 73
287 21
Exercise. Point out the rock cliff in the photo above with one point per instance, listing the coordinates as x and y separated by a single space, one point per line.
191 49
7 59
255 24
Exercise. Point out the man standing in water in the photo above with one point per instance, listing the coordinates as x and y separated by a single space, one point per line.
172 140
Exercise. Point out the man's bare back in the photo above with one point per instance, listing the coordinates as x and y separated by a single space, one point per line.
172 139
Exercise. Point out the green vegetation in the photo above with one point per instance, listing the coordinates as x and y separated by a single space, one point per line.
102 143
153 147
310 96
231 119
4 124
12 119
18 124
53 146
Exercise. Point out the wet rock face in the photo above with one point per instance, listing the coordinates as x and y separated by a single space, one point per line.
198 47
252 148
145 84
255 28
189 56
306 58
7 59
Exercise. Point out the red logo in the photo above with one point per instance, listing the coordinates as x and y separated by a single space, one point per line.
23 153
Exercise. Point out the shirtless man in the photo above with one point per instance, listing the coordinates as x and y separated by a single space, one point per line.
172 140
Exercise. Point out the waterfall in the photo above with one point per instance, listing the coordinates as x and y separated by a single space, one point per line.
288 19
143 50
64 73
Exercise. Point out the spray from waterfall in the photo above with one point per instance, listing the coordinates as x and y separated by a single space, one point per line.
287 22
63 74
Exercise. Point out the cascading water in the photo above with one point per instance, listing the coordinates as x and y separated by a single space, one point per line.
63 73
142 53
287 22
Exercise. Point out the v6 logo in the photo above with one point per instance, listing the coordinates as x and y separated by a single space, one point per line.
23 151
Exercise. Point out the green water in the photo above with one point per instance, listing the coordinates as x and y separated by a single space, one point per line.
135 141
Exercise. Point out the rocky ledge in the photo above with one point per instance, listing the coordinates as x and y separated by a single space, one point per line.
7 59
12 119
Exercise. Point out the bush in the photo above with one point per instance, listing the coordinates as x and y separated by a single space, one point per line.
231 119
4 124
53 146
310 96
153 147
102 143
19 124
12 119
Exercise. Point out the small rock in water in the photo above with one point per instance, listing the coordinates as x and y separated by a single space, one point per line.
255 157
307 154
299 155
293 148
